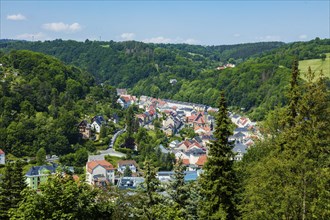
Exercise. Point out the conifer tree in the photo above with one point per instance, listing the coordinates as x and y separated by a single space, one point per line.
13 183
150 186
219 180
177 189
292 182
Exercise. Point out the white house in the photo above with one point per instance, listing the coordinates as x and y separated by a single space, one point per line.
97 123
2 157
99 170
130 163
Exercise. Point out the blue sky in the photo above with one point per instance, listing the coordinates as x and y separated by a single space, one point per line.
193 22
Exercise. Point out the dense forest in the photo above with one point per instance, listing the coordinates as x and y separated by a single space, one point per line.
256 84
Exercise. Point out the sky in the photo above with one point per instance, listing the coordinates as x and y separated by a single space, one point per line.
191 22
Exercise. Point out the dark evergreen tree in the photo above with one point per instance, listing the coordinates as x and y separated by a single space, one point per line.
292 177
178 191
293 93
13 183
218 182
151 185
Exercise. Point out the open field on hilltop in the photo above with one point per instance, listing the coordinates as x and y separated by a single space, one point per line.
316 65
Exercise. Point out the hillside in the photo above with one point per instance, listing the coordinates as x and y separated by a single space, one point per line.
256 84
42 101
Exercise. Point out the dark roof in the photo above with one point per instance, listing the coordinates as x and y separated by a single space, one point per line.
241 130
239 135
198 139
98 119
195 151
240 148
36 169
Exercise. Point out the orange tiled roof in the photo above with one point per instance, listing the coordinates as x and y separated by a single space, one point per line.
185 161
201 160
92 164
1 152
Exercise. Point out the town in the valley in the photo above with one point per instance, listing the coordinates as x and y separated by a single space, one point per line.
175 116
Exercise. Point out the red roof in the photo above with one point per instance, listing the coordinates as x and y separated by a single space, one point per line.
185 161
201 160
75 178
105 164
1 152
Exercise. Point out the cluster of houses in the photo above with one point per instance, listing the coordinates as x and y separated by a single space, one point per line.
175 116
228 65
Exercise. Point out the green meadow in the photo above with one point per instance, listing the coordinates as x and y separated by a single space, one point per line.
317 65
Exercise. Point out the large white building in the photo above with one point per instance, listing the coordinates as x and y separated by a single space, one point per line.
100 172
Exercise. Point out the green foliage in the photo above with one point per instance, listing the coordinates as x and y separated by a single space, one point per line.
178 191
127 171
292 166
62 198
11 186
78 159
41 156
256 83
218 182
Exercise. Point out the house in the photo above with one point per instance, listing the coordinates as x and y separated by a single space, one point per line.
239 150
2 157
39 174
172 122
200 130
97 123
129 182
201 160
173 81
174 144
166 176
126 100
121 92
243 130
85 129
238 137
130 163
99 172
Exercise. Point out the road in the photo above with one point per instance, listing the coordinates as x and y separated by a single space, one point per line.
112 152
113 139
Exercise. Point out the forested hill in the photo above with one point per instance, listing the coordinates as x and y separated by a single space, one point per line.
39 96
257 83
125 63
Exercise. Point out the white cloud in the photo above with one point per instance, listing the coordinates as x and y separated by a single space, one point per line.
62 27
303 36
127 36
158 40
18 17
27 36
236 35
190 41
164 40
269 38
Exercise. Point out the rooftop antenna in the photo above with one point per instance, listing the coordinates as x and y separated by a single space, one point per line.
100 38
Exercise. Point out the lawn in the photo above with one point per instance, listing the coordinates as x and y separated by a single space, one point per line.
316 65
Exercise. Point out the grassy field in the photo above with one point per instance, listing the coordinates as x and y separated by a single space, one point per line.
316 65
